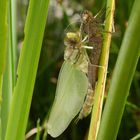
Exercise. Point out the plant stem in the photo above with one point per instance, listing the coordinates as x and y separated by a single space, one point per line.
12 37
3 49
27 69
9 74
102 72
122 78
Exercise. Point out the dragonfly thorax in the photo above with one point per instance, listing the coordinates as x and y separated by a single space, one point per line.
73 47
71 54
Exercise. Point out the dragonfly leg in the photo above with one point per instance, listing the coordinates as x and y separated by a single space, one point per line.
98 66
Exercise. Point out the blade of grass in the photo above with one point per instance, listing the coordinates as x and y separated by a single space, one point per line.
12 24
9 75
27 68
45 134
3 40
136 137
38 130
99 91
6 92
122 78
3 47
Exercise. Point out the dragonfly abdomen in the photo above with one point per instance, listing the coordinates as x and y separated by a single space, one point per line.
87 106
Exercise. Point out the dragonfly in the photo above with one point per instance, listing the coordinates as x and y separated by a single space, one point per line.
74 92
72 85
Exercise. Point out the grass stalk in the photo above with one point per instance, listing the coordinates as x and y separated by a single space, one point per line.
9 75
38 130
99 91
3 40
3 49
27 69
122 78
6 92
12 36
136 137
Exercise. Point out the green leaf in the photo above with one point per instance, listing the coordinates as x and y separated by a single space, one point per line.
27 68
12 37
3 39
3 48
9 75
122 78
3 34
102 73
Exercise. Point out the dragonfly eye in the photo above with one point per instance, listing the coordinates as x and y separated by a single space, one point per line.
71 39
70 43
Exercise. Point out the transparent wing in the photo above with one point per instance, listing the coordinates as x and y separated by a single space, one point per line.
70 94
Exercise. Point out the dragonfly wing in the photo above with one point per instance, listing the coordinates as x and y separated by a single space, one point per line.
70 94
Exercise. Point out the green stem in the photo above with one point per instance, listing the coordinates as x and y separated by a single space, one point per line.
27 69
9 75
122 78
3 49
3 39
12 36
6 92
99 91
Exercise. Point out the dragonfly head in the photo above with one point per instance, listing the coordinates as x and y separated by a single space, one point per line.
72 39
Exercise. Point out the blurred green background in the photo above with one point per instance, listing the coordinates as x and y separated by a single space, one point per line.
61 14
